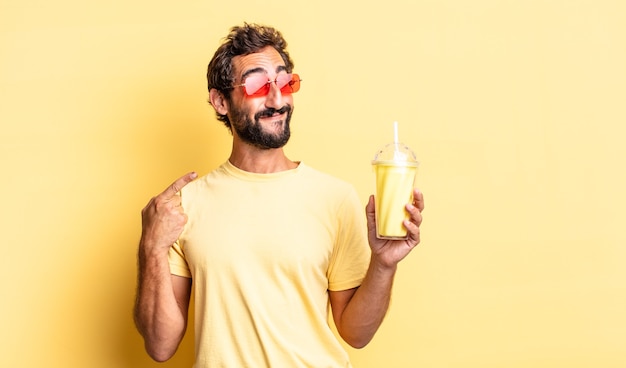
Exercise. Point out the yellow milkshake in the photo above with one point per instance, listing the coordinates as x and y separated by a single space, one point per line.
394 189
395 166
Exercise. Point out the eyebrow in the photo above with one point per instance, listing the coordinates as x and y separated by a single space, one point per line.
279 69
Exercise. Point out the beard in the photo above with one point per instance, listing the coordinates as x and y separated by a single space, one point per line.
252 132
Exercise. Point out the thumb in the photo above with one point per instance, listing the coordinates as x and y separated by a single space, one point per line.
370 212
370 208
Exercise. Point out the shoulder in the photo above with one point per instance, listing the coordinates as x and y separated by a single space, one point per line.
205 182
322 184
324 179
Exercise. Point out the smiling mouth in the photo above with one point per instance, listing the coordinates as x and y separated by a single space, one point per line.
276 121
268 116
273 113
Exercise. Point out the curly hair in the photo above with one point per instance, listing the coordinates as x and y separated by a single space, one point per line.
242 40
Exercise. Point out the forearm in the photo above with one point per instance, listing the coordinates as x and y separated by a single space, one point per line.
158 316
358 314
368 306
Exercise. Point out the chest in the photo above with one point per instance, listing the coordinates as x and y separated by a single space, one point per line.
260 228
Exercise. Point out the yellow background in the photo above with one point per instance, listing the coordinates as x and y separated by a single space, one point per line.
516 110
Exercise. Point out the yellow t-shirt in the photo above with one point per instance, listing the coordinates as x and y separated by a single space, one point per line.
263 250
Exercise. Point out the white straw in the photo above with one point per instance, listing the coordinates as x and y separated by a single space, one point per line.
395 132
397 154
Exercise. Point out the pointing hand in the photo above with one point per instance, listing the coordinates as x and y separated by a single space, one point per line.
163 218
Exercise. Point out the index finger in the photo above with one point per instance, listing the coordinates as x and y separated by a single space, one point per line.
176 186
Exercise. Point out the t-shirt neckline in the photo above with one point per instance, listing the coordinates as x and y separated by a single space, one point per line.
236 172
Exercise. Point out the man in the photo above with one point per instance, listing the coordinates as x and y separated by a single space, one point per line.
270 243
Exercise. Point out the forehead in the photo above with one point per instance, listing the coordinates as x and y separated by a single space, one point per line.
267 61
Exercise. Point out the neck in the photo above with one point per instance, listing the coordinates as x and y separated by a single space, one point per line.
261 161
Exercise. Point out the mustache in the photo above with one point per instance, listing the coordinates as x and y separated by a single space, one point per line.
269 112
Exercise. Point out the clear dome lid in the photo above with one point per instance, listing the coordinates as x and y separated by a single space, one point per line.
395 153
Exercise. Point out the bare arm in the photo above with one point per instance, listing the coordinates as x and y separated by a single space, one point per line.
161 310
162 299
359 312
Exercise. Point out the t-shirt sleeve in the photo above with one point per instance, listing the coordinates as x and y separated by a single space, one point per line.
177 261
351 254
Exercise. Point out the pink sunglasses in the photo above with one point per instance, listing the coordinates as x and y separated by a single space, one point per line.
259 85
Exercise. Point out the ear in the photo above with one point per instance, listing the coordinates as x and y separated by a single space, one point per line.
218 101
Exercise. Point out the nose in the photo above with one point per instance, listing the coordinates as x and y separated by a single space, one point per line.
274 97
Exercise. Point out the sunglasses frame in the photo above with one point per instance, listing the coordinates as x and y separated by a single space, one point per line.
291 86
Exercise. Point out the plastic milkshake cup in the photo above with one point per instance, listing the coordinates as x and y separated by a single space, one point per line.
395 166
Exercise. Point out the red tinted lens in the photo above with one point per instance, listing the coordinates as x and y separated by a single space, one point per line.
292 84
257 85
